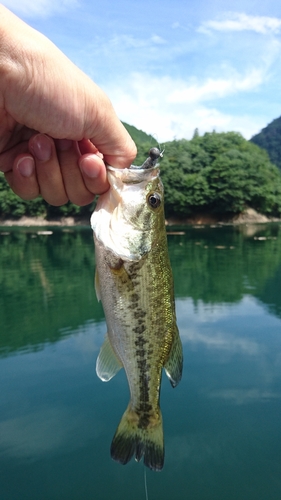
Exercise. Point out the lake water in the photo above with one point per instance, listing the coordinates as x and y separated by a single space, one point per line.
222 423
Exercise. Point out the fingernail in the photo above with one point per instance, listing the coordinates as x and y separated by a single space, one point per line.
64 144
26 166
41 147
86 165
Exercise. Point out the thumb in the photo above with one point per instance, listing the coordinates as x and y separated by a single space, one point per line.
108 134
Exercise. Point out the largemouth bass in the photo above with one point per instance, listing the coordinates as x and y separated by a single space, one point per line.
134 282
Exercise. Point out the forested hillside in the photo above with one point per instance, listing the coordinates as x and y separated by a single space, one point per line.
214 173
270 139
139 136
218 173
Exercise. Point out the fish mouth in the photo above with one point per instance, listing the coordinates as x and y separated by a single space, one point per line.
134 174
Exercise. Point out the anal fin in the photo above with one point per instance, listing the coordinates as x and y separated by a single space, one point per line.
97 285
107 363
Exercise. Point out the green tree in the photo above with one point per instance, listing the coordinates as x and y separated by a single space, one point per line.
219 173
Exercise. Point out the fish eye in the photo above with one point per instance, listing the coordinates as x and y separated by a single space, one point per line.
154 200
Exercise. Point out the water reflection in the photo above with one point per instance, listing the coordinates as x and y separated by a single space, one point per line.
218 265
47 286
47 279
221 424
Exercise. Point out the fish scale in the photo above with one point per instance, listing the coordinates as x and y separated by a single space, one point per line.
134 282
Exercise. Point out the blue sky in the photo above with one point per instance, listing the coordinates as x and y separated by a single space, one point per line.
171 66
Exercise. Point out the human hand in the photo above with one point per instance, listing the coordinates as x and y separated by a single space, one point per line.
57 128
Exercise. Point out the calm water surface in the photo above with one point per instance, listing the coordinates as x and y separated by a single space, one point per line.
222 423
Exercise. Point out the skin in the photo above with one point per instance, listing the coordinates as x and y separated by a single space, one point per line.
57 127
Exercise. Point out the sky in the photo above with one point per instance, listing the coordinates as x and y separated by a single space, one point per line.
172 66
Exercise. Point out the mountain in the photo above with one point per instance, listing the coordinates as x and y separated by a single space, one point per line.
139 136
270 139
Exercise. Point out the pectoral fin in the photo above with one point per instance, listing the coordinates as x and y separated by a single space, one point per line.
173 366
97 285
107 363
124 280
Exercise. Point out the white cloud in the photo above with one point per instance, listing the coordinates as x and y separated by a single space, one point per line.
123 42
168 87
158 40
171 108
127 49
234 21
39 8
216 88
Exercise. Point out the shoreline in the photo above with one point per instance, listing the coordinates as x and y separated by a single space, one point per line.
247 217
41 222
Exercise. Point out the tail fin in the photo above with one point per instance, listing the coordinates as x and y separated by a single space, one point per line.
133 438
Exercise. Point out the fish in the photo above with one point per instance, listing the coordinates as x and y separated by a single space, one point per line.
134 282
